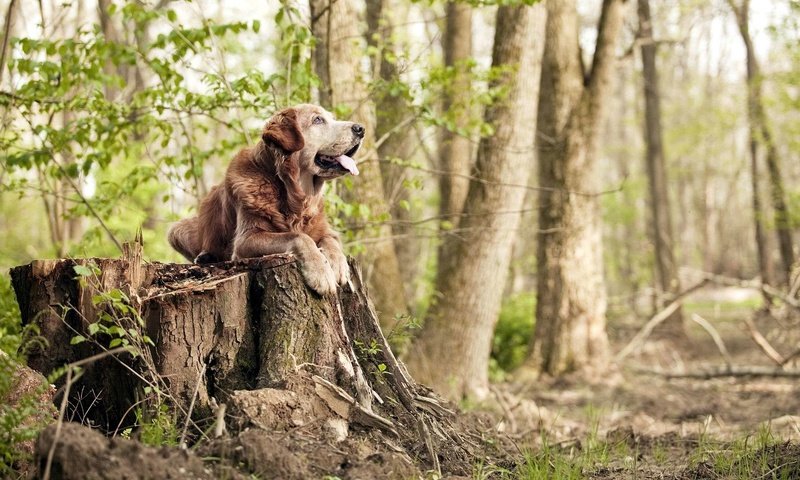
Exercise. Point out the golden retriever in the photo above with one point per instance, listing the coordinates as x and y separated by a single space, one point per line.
271 199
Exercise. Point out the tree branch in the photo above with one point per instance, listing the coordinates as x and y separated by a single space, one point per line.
604 56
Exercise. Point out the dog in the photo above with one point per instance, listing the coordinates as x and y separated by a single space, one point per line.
271 199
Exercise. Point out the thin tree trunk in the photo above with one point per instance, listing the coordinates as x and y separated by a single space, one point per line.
661 221
8 26
761 135
571 299
765 266
455 148
458 329
395 124
335 24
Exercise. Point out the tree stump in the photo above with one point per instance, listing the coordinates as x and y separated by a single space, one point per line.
247 334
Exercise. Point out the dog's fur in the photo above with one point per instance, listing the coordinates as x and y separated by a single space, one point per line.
271 199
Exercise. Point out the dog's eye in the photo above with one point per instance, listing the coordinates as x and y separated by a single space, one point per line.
318 120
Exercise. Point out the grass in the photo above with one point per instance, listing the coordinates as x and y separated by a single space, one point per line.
723 310
758 455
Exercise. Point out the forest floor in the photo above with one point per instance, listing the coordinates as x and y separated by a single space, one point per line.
641 424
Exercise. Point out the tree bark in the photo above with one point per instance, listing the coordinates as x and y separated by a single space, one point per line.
246 334
455 148
8 27
338 62
458 329
667 283
761 136
571 298
395 125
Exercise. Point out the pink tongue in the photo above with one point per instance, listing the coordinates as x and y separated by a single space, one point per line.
347 163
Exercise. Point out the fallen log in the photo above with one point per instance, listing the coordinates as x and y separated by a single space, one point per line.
249 335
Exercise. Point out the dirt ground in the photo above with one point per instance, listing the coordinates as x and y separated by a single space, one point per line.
650 426
623 422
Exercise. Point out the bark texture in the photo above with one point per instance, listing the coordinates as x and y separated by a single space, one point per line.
455 148
8 27
250 335
339 62
571 297
395 129
667 283
458 330
761 139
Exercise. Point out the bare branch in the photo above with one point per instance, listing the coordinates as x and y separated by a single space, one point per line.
763 344
657 319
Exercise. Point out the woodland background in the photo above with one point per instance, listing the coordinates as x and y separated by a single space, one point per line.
539 179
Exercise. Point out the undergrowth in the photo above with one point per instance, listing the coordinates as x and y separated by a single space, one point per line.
22 411
759 455
512 334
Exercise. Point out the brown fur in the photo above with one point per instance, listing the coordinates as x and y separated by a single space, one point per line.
271 200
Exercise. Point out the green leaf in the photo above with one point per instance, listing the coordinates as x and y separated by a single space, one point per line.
77 339
256 26
82 271
94 328
115 343
172 16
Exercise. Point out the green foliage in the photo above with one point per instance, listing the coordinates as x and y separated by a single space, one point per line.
117 319
97 142
10 324
512 334
22 414
160 428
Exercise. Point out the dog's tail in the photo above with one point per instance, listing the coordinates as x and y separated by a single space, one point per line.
183 236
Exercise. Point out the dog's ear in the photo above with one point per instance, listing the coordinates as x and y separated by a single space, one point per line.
283 131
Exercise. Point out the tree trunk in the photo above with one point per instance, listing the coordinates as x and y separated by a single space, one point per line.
667 283
246 334
571 298
455 148
8 27
338 62
395 125
761 136
459 326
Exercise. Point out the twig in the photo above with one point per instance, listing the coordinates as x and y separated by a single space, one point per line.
751 284
191 405
725 371
88 205
424 431
795 288
62 409
763 343
790 357
219 425
657 319
714 336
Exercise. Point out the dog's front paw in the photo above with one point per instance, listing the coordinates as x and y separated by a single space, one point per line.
319 275
339 265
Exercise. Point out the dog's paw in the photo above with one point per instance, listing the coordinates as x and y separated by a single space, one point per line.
339 265
205 258
319 275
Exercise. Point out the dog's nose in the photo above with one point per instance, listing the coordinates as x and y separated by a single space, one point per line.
358 130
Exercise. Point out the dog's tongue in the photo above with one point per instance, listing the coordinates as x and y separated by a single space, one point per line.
347 163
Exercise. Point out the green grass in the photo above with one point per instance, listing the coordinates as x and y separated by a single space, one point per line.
757 455
728 310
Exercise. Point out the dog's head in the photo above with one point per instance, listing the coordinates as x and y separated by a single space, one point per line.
321 145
